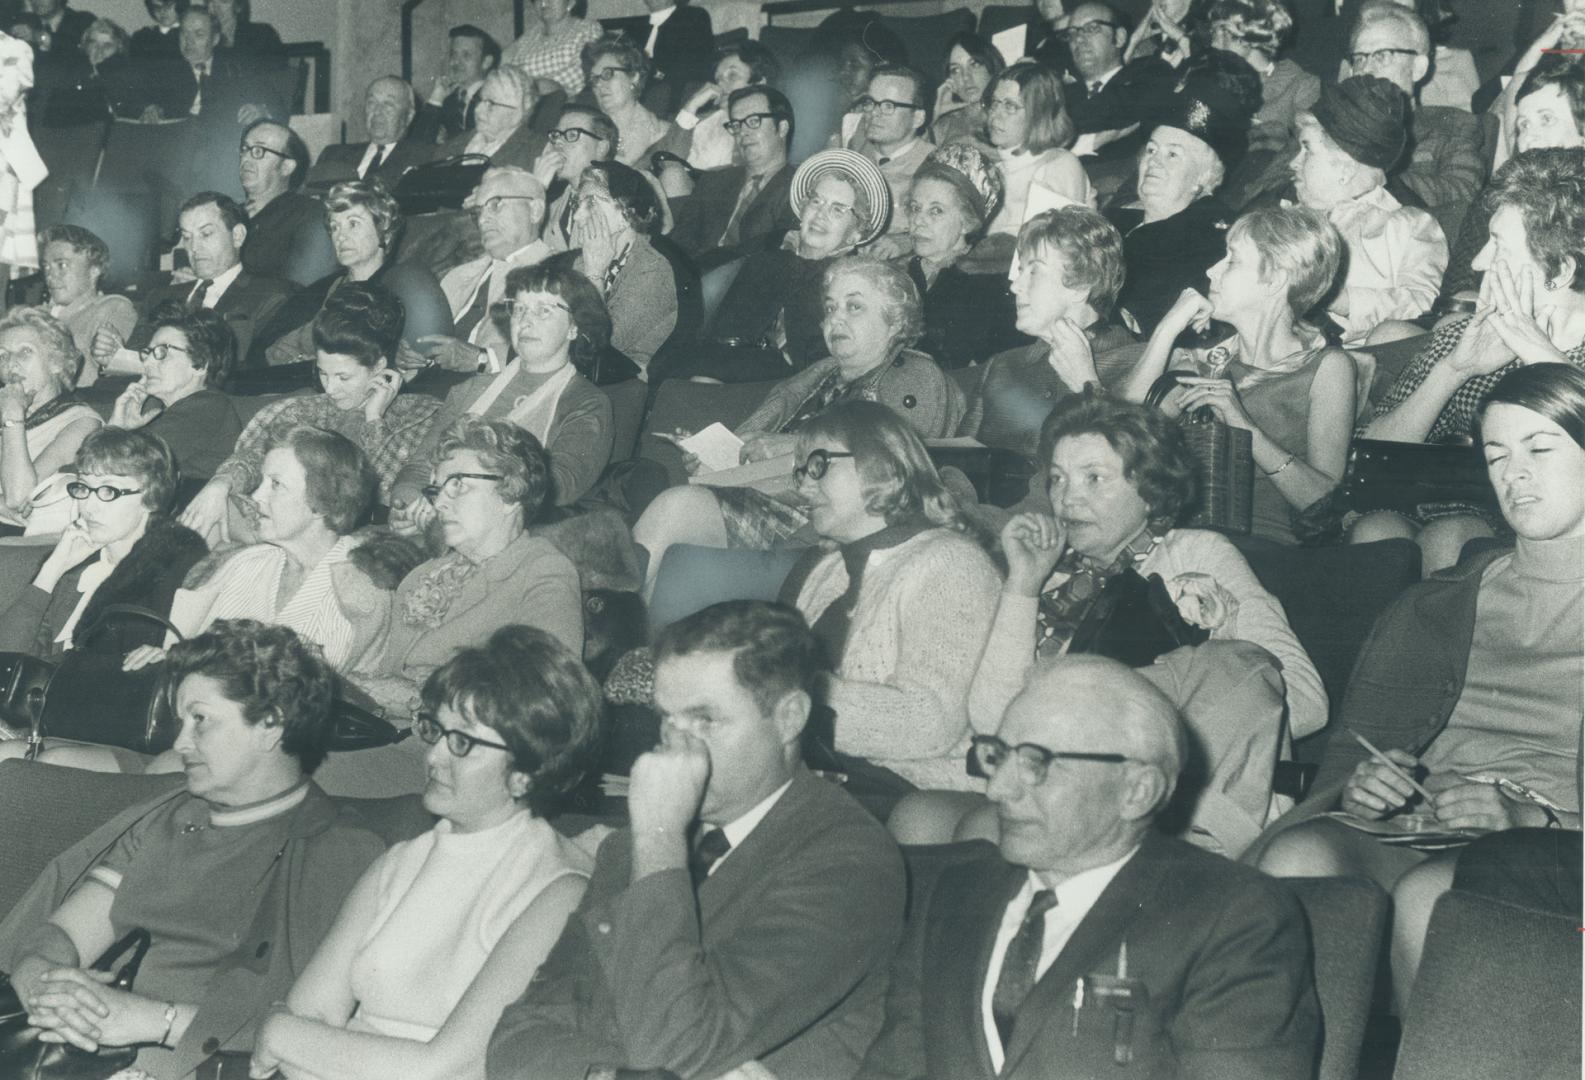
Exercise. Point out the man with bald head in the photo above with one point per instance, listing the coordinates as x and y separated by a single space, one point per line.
388 108
1087 943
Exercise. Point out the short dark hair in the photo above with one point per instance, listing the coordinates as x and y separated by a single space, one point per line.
1567 74
920 84
211 343
584 301
341 484
763 67
1547 187
491 47
230 211
132 452
78 239
633 195
1156 459
272 674
774 651
538 697
503 448
361 320
776 104
296 149
982 52
1555 391
599 123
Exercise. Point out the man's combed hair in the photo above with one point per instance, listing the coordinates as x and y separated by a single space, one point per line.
773 650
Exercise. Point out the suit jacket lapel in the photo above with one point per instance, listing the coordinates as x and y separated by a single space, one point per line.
992 904
1093 945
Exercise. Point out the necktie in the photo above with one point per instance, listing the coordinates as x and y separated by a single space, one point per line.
477 307
734 224
199 294
1095 87
707 851
374 163
1019 964
200 76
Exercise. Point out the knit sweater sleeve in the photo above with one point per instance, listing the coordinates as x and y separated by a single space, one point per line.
901 691
1004 668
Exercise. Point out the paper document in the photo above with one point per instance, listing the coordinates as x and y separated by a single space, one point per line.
715 447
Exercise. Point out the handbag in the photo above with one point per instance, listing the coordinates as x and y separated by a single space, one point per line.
23 1056
1000 476
1226 459
1134 620
439 185
1404 476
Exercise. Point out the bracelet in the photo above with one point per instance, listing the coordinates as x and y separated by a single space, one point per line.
1284 465
170 1023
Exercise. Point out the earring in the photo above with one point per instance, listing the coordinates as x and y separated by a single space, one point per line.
1552 286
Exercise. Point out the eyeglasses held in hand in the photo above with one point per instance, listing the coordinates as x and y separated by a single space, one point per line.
817 464
104 492
988 753
460 743
452 485
752 121
161 351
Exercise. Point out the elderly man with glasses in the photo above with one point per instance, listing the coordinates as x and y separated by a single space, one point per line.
287 237
582 134
744 206
1087 943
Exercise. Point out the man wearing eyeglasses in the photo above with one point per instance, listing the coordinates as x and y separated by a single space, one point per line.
1109 101
1445 168
509 206
751 908
213 231
744 206
1086 943
892 117
453 102
583 134
388 109
287 237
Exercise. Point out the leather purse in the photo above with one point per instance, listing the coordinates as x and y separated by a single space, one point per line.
23 1056
1133 620
1225 455
439 185
1404 476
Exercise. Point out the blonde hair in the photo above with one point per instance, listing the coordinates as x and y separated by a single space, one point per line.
1296 241
899 479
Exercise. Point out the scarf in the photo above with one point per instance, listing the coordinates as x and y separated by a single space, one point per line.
832 627
1062 608
430 601
832 389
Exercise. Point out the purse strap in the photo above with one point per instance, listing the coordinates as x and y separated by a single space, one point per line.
138 941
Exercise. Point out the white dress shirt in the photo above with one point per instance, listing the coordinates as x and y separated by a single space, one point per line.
1087 144
656 20
1075 897
382 149
738 830
219 284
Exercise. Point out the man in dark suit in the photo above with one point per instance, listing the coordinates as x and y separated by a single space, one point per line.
742 207
66 27
770 939
682 43
1086 943
287 236
453 104
213 229
1110 97
388 108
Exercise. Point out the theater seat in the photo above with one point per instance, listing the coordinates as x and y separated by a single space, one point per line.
692 406
1347 917
691 578
926 36
1497 995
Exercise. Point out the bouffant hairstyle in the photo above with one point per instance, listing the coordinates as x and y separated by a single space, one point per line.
626 55
361 320
130 452
61 359
583 300
341 484
899 480
1547 187
1091 249
774 651
276 677
1156 459
537 695
507 449
211 344
376 198
633 195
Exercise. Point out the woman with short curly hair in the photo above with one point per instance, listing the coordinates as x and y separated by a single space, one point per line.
446 929
488 481
42 421
618 71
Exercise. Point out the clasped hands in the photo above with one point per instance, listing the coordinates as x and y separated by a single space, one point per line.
1374 792
1506 325
71 1005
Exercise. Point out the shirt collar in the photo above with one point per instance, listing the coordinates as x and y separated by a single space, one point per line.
738 831
658 17
1081 890
222 282
531 253
1104 78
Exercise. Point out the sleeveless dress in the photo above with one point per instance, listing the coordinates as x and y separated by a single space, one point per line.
247 587
52 508
444 901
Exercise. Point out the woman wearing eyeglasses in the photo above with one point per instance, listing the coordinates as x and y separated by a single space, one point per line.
619 72
447 929
559 328
1029 126
488 481
42 421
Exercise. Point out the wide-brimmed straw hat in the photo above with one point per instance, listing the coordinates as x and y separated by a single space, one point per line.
856 169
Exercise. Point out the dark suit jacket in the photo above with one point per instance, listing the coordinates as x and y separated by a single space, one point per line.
1138 94
69 38
684 58
1221 950
781 957
701 217
288 240
441 123
247 305
340 162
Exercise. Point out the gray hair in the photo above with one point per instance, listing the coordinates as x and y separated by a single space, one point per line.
521 85
61 359
900 303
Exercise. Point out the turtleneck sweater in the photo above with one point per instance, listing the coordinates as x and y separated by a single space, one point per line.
1523 706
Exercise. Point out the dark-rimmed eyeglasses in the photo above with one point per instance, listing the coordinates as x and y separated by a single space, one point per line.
752 121
460 743
988 753
1365 59
1088 30
104 492
610 73
536 310
256 152
818 463
496 203
452 485
161 351
570 134
883 106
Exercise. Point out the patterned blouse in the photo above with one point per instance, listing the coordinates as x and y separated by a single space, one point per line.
557 56
1457 419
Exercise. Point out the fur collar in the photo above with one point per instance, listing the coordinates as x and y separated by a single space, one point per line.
165 554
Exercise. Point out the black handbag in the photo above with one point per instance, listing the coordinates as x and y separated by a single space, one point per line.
1000 476
1225 478
1133 620
439 185
1404 476
23 1056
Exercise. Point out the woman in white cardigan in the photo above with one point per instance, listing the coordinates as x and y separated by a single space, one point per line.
901 598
